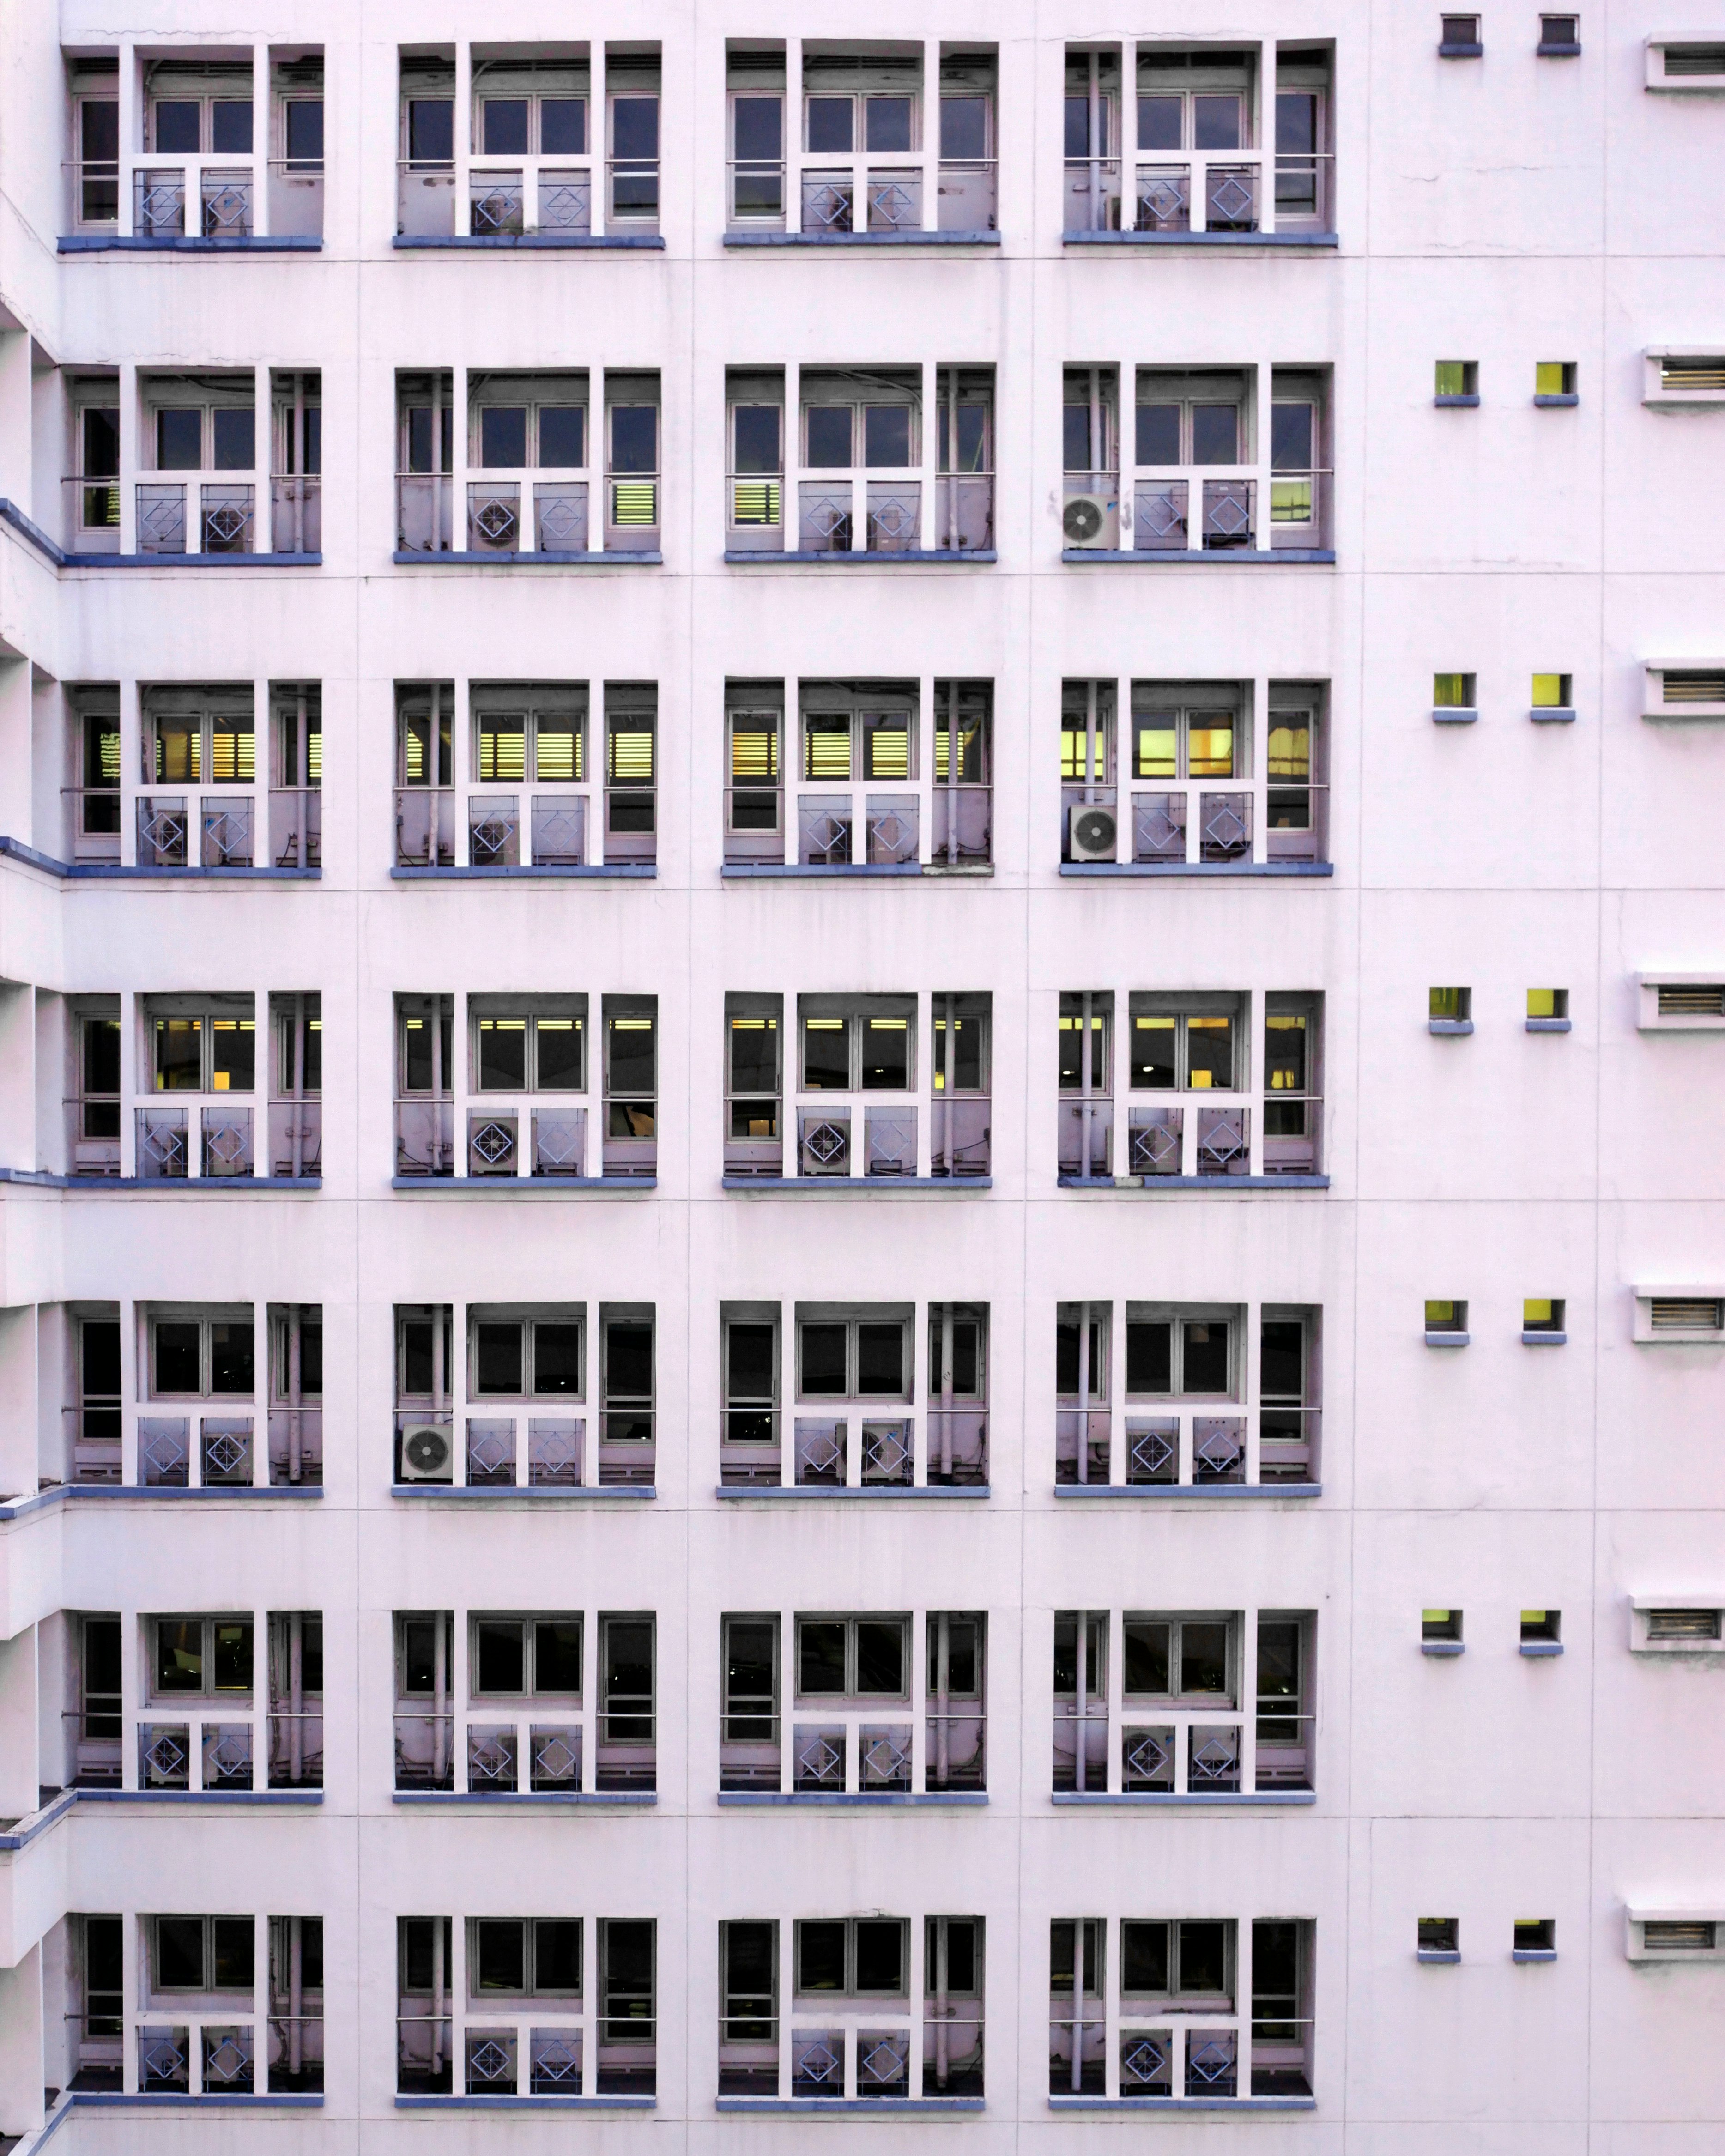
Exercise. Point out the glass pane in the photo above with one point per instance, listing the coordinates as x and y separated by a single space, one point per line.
881 1658
831 124
824 1375
101 441
557 1045
177 126
304 130
233 437
233 749
754 1056
1285 1052
827 428
880 1361
1153 1053
1203 1659
886 745
1149 1356
179 1055
502 747
179 1654
230 1357
233 1656
1210 1053
1146 1656
1203 1357
563 437
1209 750
231 127
1158 434
1215 434
887 436
964 128
634 437
556 1657
562 126
755 433
179 438
556 1358
635 127
102 1059
431 130
505 130
759 128
1215 123
886 1054
99 130
501 1954
497 1357
826 1055
1295 123
889 123
233 1054
502 1055
820 1658
501 1651
1159 122
628 1051
1158 746
1291 432
503 437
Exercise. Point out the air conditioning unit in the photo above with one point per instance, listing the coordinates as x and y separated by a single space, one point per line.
1094 832
428 1453
1084 521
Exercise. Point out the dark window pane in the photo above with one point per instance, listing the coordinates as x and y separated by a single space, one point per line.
820 1957
1278 1658
99 130
418 1656
1204 1358
101 1055
964 127
497 1357
502 1954
634 437
754 1361
880 1658
503 437
749 1961
556 1655
629 1053
557 1955
754 1058
179 438
233 1656
557 1043
1153 1048
416 1371
886 1054
820 1659
960 1956
501 1657
1149 1357
749 1674
179 1953
1076 437
887 436
99 1343
1203 1659
830 123
1215 123
635 127
1276 1960
1291 437
880 1361
563 437
1215 434
179 1655
101 441
177 123
230 1358
1210 1053
1295 123
502 1051
1143 1958
1159 120
628 1671
759 126
755 434
1282 1359
628 1360
1078 128
824 1371
1065 1656
304 130
1146 1652
231 127
556 1358
829 431
234 436
879 1956
311 1658
1158 434
505 127
311 1357
417 1943
431 130
178 1367
889 123
826 1055
1204 1958
562 126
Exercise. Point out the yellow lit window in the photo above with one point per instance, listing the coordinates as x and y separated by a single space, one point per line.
503 749
1452 691
1551 691
1291 752
826 746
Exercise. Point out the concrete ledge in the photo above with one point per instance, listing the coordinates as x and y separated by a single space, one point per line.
193 561
131 1492
1448 1028
1162 1491
828 1185
1216 1184
742 556
1541 1650
1553 715
200 1800
766 871
605 872
883 2107
1560 403
1218 557
1533 1954
620 560
1085 868
527 2102
111 871
1173 2107
1547 1025
1443 1647
1318 239
191 243
1460 402
32 533
523 1186
231 1184
1545 1339
844 239
1455 715
851 1799
826 1491
1438 1956
1168 1799
541 1799
103 2100
1448 1339
572 243
539 1493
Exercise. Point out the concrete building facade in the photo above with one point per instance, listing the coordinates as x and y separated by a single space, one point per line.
863 1255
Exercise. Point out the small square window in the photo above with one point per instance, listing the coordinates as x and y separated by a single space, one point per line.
1440 1935
1552 692
1440 1628
1555 382
1443 1316
1535 1937
1457 381
1559 37
1454 692
1547 1010
1542 1628
1543 1317
1450 1010
1461 39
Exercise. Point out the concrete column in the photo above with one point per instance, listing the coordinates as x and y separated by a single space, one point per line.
261 114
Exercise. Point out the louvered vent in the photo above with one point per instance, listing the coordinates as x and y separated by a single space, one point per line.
1696 999
1695 60
1693 374
1673 1625
1674 1937
1690 686
1675 1314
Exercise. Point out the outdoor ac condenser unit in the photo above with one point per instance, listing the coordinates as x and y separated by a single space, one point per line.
427 1450
1084 521
1094 833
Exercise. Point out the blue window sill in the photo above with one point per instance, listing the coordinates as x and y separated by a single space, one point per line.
1238 557
1083 869
1162 1491
125 1491
571 242
1448 1339
1454 715
825 1492
106 2100
527 2102
1450 1028
620 559
1319 239
1461 52
1458 404
1173 2107
522 1186
1212 1183
98 243
828 1186
1542 1650
603 872
1553 715
768 871
110 871
923 557
533 1800
539 1493
1556 52
862 240
50 550
1556 403
850 1799
1168 1799
1446 1647
229 1184
1439 1957
1545 1339
1547 1025
1533 1954
882 2108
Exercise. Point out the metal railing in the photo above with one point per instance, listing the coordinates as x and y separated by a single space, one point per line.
425 827
424 512
425 1137
1185 1445
296 827
225 517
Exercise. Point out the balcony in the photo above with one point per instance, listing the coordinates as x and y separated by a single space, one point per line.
897 149
202 1727
866 481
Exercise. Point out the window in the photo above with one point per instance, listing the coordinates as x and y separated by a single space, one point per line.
1548 1009
1445 1322
205 1052
201 1657
98 1053
1191 419
1457 381
1536 1938
96 1447
1553 696
201 1955
1461 38
1559 37
179 124
757 156
537 1051
1542 1318
1439 1939
871 1051
853 1658
1542 1628
853 1359
631 1085
854 1957
525 1658
1184 1356
1555 382
631 732
1441 1630
98 180
1453 694
535 126
199 1358
1183 1966
748 2009
752 1089
1195 1048
1450 1010
525 1956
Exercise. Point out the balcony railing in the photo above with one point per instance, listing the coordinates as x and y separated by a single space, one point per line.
1196 1138
425 1137
884 1452
527 1139
1187 1447
425 827
296 827
295 1138
223 201
224 517
1195 192
295 513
